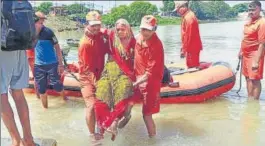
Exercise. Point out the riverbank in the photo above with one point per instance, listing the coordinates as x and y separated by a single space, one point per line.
216 21
168 20
61 23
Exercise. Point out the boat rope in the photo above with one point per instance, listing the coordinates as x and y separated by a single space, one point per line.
240 63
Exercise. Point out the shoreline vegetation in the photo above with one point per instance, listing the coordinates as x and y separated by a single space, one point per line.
72 17
63 23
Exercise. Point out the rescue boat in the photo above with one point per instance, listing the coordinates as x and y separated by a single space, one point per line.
193 85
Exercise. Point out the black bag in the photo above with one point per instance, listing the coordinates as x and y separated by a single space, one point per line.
166 76
18 27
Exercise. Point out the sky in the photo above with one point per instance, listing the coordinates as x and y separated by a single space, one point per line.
109 4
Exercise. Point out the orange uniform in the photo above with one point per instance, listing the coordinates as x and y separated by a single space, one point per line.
31 53
91 58
191 40
149 58
31 59
254 35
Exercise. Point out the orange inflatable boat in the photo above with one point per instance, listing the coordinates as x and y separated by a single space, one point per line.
186 86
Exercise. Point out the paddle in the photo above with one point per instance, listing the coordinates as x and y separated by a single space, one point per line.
185 71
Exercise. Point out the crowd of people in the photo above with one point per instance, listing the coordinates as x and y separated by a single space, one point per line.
132 72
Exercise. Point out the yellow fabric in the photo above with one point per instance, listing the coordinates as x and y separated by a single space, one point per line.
113 85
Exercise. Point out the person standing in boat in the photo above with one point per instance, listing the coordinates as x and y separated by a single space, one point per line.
48 63
190 34
116 83
148 69
252 50
91 58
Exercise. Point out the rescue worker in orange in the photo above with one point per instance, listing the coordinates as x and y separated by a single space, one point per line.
91 58
149 68
252 50
190 34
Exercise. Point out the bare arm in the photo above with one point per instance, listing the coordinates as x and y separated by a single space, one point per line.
257 58
260 52
141 80
261 40
59 54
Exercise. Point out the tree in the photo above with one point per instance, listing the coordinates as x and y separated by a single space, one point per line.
239 8
118 12
138 9
76 9
168 6
203 10
196 7
132 13
212 10
45 7
219 8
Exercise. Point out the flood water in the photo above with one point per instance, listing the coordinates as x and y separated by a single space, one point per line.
228 120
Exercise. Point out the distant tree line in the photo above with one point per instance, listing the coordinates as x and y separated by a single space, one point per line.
209 10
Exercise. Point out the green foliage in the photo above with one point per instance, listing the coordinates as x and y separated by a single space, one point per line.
139 9
239 8
165 20
204 10
212 10
45 7
168 6
76 9
132 13
116 13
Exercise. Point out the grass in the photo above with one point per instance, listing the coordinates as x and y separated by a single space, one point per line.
59 22
168 20
62 22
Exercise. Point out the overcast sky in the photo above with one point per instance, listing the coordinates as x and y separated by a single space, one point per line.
109 4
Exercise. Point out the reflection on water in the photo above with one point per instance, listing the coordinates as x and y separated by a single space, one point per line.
224 121
237 107
218 122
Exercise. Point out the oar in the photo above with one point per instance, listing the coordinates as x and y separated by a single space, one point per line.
185 71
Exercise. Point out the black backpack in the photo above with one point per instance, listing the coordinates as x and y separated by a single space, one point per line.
166 76
18 27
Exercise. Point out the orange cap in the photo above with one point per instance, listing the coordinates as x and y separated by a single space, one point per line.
149 22
93 17
179 4
40 15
